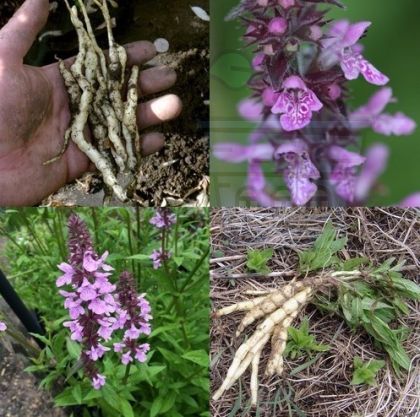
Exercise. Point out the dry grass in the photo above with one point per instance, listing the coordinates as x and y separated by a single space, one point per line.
321 389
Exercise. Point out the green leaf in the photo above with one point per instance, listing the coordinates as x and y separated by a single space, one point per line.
66 398
77 393
354 263
323 252
365 373
257 260
73 348
156 406
126 409
199 357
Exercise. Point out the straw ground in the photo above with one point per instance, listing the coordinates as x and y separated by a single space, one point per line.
319 387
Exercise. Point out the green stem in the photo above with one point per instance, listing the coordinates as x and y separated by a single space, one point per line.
176 231
130 241
127 374
95 224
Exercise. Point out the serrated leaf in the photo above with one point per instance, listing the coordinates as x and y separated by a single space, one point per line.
200 357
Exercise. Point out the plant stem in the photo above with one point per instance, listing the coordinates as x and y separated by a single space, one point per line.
127 374
95 224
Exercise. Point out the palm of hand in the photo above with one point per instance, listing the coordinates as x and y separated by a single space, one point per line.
34 119
34 112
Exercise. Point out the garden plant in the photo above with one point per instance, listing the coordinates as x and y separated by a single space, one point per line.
125 313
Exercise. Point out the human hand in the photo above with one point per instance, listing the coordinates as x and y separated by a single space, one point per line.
34 112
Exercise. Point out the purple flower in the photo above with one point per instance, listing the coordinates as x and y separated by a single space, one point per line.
233 152
3 326
126 358
159 256
341 47
343 176
302 66
411 201
163 218
295 104
376 160
98 381
371 115
141 351
136 311
299 171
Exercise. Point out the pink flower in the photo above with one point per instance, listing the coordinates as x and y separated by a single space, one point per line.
343 175
411 201
233 152
299 172
3 326
118 347
371 115
341 47
96 352
126 358
375 164
132 333
256 187
91 264
98 381
141 351
295 104
68 274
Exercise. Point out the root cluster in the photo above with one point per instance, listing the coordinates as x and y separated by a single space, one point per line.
277 310
95 87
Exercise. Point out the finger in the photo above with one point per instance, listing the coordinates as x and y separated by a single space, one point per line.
152 142
19 33
138 53
159 110
155 80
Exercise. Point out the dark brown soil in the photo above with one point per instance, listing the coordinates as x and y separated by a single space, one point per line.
179 173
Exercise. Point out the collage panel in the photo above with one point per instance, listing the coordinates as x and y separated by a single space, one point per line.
104 102
311 104
315 312
104 312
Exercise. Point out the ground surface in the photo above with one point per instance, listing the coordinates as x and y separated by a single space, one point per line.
318 388
178 175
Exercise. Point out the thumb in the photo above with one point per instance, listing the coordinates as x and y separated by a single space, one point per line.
18 35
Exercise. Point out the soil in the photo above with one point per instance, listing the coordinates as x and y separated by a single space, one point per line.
19 396
178 174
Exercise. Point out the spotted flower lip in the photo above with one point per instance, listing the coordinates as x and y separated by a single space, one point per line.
295 104
299 172
341 47
299 102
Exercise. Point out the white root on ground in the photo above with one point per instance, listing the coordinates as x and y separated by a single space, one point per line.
95 91
285 310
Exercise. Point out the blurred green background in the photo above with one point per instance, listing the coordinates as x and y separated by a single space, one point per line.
393 45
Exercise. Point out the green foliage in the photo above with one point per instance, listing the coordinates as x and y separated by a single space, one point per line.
257 260
300 342
370 302
323 253
174 382
365 373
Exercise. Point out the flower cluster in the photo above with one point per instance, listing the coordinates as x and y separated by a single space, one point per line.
133 316
163 220
94 305
302 66
3 326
